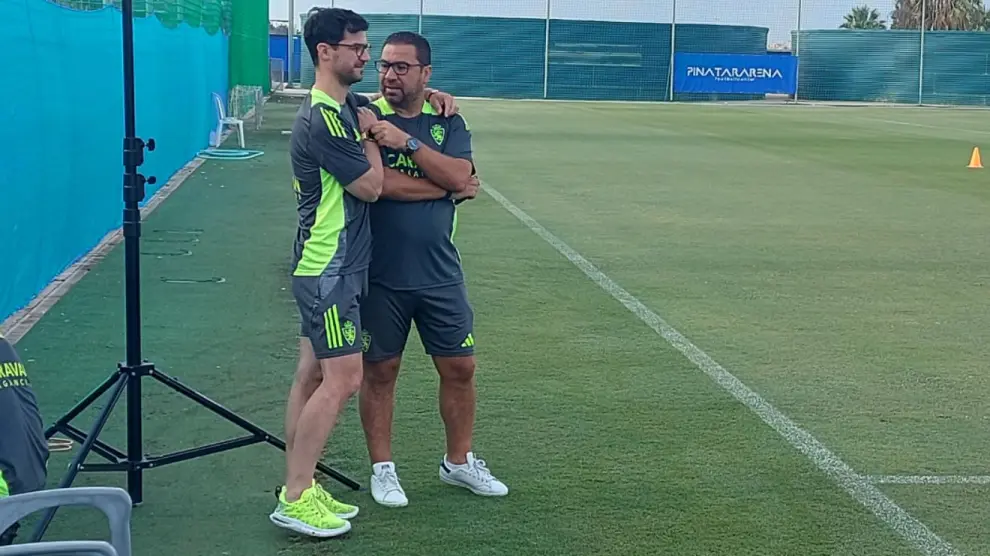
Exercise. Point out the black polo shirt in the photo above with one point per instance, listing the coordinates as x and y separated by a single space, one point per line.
23 447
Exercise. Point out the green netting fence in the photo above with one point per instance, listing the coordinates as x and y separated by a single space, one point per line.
210 15
244 22
896 51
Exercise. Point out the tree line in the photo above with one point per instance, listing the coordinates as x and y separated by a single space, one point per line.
939 15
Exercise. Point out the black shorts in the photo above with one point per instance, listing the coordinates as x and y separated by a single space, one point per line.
330 310
443 317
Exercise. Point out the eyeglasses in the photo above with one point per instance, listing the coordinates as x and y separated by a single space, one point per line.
358 48
400 68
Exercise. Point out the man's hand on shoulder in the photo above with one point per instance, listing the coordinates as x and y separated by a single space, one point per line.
442 102
387 135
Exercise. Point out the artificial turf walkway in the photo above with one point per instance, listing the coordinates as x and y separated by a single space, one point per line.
610 441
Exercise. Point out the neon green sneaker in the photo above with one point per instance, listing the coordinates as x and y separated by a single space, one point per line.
308 515
336 507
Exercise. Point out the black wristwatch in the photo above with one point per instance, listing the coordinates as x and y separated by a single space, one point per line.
412 145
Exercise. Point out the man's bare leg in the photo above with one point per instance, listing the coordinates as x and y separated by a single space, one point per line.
308 377
341 380
328 374
304 506
457 409
377 406
457 404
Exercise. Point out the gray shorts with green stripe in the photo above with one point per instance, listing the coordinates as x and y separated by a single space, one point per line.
330 308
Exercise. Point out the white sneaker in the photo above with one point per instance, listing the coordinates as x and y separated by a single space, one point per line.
385 487
473 475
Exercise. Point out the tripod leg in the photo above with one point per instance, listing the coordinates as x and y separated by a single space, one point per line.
84 450
244 423
135 473
330 472
81 406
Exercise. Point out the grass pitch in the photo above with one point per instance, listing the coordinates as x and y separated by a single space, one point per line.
833 259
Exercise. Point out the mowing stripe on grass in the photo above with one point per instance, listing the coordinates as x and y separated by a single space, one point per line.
859 487
926 126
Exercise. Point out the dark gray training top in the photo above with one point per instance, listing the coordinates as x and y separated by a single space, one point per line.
23 448
414 240
334 234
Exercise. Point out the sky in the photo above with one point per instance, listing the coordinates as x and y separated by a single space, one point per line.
780 16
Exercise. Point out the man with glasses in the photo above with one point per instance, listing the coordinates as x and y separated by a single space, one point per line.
415 272
442 102
337 173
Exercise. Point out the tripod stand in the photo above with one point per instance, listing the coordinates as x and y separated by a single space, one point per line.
129 374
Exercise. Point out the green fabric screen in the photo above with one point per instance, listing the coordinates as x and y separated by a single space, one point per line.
886 66
249 45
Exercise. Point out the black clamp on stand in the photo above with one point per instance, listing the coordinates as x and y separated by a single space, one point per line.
129 374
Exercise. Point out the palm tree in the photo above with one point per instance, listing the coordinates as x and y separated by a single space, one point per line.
984 20
940 15
863 17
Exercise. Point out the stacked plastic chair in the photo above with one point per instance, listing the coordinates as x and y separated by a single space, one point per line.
115 504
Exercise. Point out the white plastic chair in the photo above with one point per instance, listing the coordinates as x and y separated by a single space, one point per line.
224 120
61 548
114 502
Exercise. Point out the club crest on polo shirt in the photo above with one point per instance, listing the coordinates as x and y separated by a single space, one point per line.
438 133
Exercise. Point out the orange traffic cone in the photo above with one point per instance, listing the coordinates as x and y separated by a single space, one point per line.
974 160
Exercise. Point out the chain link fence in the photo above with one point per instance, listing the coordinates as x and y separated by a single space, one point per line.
890 51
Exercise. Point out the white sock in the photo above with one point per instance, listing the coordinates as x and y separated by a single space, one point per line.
454 465
378 467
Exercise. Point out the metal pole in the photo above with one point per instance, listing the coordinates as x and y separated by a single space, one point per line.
673 35
546 54
291 37
797 52
420 31
921 57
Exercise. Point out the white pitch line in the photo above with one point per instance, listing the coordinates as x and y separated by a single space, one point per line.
857 486
930 479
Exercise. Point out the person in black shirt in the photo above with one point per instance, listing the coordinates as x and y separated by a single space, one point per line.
23 448
415 273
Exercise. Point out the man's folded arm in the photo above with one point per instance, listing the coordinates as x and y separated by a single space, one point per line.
402 187
452 174
453 168
368 187
355 163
